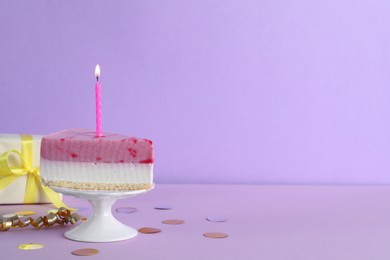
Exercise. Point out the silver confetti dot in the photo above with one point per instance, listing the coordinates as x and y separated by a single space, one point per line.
216 219
126 210
163 207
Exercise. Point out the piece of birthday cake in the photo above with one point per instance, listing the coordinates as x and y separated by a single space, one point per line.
78 159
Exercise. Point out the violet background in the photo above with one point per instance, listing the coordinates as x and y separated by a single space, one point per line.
229 91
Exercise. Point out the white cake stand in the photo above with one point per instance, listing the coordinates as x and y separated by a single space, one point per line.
102 226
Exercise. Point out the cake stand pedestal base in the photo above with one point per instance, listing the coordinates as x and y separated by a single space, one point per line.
102 226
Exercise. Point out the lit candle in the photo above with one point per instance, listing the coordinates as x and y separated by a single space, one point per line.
98 103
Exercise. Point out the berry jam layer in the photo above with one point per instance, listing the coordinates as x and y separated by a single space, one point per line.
81 145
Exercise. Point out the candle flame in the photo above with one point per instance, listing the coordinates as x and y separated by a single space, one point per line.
97 71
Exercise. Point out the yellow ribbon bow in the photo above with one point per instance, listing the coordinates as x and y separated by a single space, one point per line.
9 174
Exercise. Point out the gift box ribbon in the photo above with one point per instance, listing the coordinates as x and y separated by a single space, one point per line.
10 174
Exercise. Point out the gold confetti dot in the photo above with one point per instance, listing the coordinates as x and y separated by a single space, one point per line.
215 235
149 230
30 246
173 221
85 252
25 213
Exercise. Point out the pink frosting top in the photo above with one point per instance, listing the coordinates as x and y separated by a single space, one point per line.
81 145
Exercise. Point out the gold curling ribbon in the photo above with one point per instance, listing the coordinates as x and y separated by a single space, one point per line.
9 174
62 216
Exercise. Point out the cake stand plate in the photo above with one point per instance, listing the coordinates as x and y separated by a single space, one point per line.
102 226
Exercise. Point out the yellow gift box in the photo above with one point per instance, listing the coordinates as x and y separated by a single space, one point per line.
20 181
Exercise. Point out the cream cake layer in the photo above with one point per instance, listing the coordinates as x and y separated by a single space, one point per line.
107 176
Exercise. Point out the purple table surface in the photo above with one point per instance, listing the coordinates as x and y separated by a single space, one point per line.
264 222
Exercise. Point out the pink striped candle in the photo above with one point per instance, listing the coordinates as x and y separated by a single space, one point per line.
98 103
